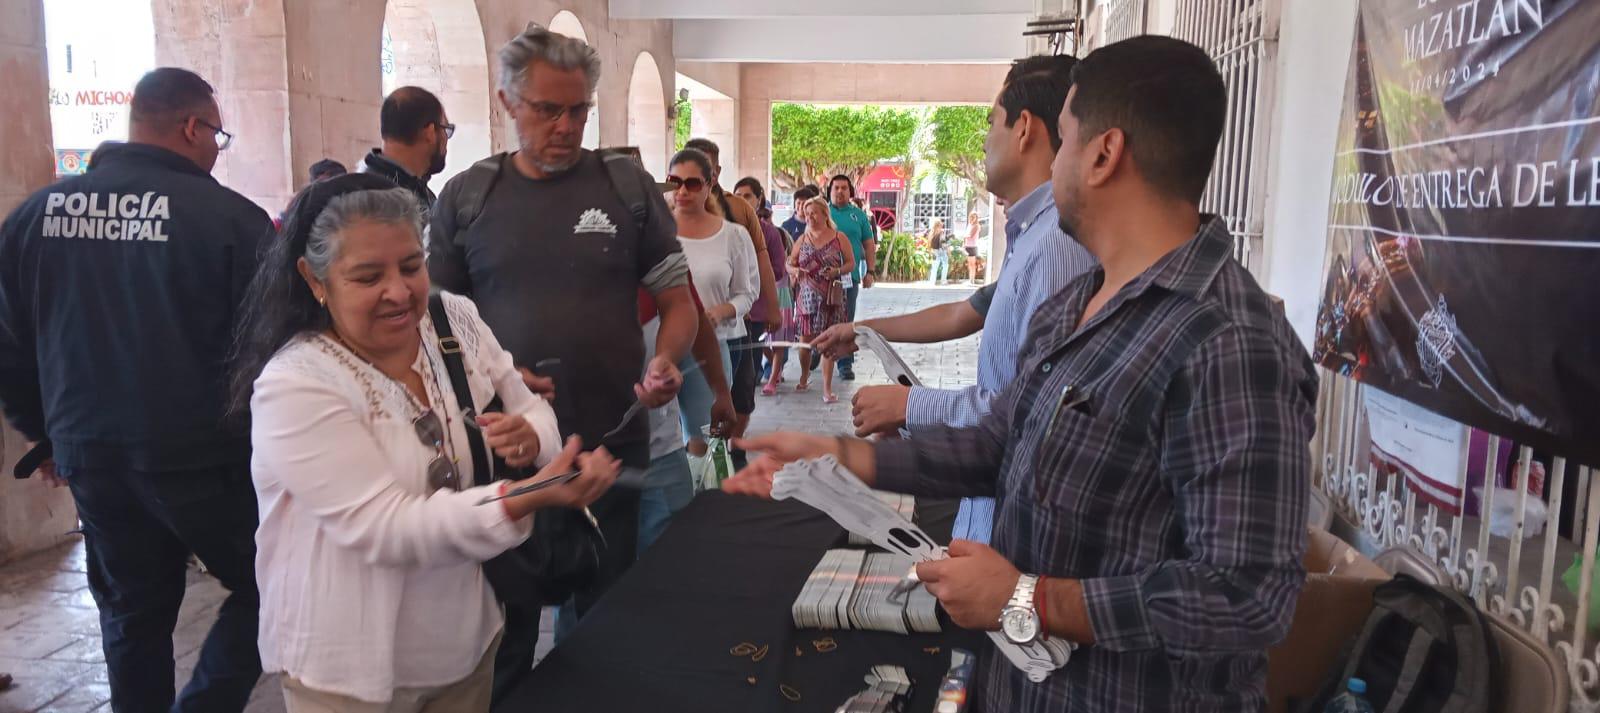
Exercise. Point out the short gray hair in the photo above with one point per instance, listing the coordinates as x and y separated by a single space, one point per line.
390 205
537 44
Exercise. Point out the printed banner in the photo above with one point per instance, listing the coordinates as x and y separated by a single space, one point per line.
1463 259
1428 448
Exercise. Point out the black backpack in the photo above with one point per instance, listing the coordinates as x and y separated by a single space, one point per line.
1424 649
623 169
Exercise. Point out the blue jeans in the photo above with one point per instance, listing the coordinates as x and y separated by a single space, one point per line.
668 487
139 529
941 264
848 363
695 396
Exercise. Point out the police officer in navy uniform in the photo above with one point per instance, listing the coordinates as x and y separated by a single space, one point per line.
119 290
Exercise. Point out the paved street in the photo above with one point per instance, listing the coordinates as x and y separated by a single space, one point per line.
50 633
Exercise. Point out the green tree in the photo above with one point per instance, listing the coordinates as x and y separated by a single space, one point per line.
956 144
681 124
810 142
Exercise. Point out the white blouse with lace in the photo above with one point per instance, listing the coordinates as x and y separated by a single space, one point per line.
370 580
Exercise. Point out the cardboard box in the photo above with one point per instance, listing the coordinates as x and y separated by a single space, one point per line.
1331 610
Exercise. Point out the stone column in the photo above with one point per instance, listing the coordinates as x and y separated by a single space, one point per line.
32 516
335 86
718 120
239 48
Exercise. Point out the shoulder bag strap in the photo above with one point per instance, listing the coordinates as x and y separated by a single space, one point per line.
450 348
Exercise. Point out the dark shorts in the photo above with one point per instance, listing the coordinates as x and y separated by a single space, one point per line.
971 251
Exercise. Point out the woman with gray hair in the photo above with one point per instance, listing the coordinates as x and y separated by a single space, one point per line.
371 542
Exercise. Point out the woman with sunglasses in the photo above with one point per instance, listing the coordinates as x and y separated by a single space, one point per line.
722 266
372 531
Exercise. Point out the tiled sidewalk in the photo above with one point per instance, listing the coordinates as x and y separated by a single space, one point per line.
50 631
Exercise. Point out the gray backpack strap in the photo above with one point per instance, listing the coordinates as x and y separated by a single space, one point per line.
624 172
1474 642
480 179
1416 660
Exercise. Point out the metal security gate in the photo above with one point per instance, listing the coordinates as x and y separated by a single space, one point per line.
1242 36
1518 576
1124 19
925 207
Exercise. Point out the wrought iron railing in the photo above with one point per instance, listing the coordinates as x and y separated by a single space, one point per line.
1516 578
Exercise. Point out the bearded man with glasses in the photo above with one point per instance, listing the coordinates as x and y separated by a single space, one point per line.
120 290
554 255
416 139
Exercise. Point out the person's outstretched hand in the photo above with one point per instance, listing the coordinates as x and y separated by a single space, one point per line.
836 341
777 450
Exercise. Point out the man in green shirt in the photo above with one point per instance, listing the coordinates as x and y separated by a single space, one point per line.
856 225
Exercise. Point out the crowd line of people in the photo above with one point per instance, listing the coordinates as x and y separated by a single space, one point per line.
341 411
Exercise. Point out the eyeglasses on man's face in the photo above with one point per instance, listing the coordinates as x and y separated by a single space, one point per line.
551 111
448 128
223 138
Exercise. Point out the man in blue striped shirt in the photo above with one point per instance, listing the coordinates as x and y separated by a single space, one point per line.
1041 260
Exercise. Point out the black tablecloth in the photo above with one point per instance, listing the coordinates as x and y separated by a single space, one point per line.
727 572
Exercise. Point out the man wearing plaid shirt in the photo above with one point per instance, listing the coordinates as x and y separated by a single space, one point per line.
1150 460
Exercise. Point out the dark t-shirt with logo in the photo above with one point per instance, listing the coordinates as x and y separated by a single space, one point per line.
555 266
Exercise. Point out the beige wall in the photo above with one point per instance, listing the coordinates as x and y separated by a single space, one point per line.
618 41
721 76
335 84
239 48
762 84
32 516
439 44
299 80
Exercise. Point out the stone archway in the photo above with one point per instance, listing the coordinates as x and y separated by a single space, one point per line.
647 114
566 23
243 52
438 45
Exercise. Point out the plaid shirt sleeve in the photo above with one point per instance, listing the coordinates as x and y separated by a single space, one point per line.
946 462
1234 452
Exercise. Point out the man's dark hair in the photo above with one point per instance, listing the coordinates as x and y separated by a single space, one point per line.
806 192
847 181
1039 85
1167 98
169 93
406 112
705 146
327 168
694 156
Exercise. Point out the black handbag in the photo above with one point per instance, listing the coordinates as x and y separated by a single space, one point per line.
562 556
